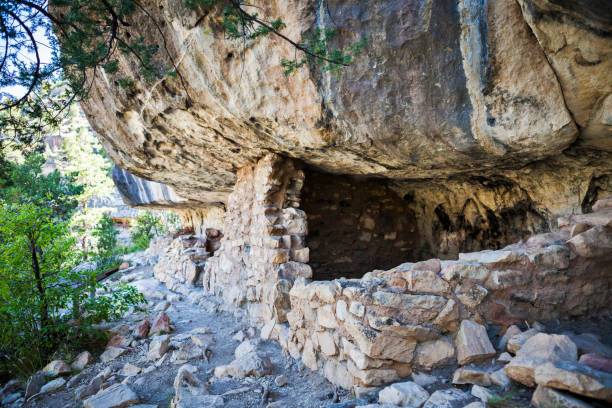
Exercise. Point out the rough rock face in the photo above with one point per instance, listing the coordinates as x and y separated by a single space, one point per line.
471 92
138 192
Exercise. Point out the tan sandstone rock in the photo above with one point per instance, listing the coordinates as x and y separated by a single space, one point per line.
472 343
434 353
575 377
405 394
57 368
469 375
545 397
536 351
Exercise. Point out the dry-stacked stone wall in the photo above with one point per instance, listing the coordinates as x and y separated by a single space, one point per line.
378 328
181 260
263 249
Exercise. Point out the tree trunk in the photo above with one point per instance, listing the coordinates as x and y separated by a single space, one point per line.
44 307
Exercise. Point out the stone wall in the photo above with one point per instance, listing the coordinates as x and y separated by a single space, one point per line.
181 260
376 329
379 327
263 248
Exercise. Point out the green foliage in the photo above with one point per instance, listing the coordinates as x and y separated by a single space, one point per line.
147 226
26 183
44 298
501 400
106 247
318 45
88 37
82 155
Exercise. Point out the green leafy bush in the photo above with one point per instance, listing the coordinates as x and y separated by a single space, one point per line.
147 226
45 300
25 182
106 248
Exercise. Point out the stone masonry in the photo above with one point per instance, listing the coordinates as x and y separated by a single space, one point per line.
263 249
180 261
376 329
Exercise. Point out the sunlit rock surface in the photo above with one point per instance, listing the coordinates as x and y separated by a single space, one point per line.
456 94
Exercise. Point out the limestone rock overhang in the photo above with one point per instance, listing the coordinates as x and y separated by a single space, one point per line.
445 89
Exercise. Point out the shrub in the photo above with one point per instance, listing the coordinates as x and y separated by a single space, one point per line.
106 248
147 226
45 300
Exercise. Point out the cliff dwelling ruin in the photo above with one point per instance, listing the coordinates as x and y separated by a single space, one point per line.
460 172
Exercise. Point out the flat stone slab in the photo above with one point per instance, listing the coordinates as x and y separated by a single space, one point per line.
115 396
575 377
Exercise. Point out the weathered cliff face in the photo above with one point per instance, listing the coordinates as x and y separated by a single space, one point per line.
458 89
141 193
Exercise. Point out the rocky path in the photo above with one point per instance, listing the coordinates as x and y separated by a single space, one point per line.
270 379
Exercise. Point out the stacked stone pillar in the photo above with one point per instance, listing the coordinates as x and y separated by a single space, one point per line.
263 249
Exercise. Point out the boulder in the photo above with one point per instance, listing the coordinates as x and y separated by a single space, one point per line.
57 368
75 380
53 385
468 375
426 281
35 383
142 330
500 378
448 398
94 385
491 257
516 341
424 379
129 370
186 386
82 360
597 362
472 343
504 357
115 396
119 341
536 351
337 373
158 347
595 242
160 325
112 353
372 376
575 377
250 360
545 397
434 353
471 295
406 394
510 332
481 393
249 364
186 351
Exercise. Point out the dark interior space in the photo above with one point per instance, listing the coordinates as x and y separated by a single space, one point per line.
355 226
358 225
